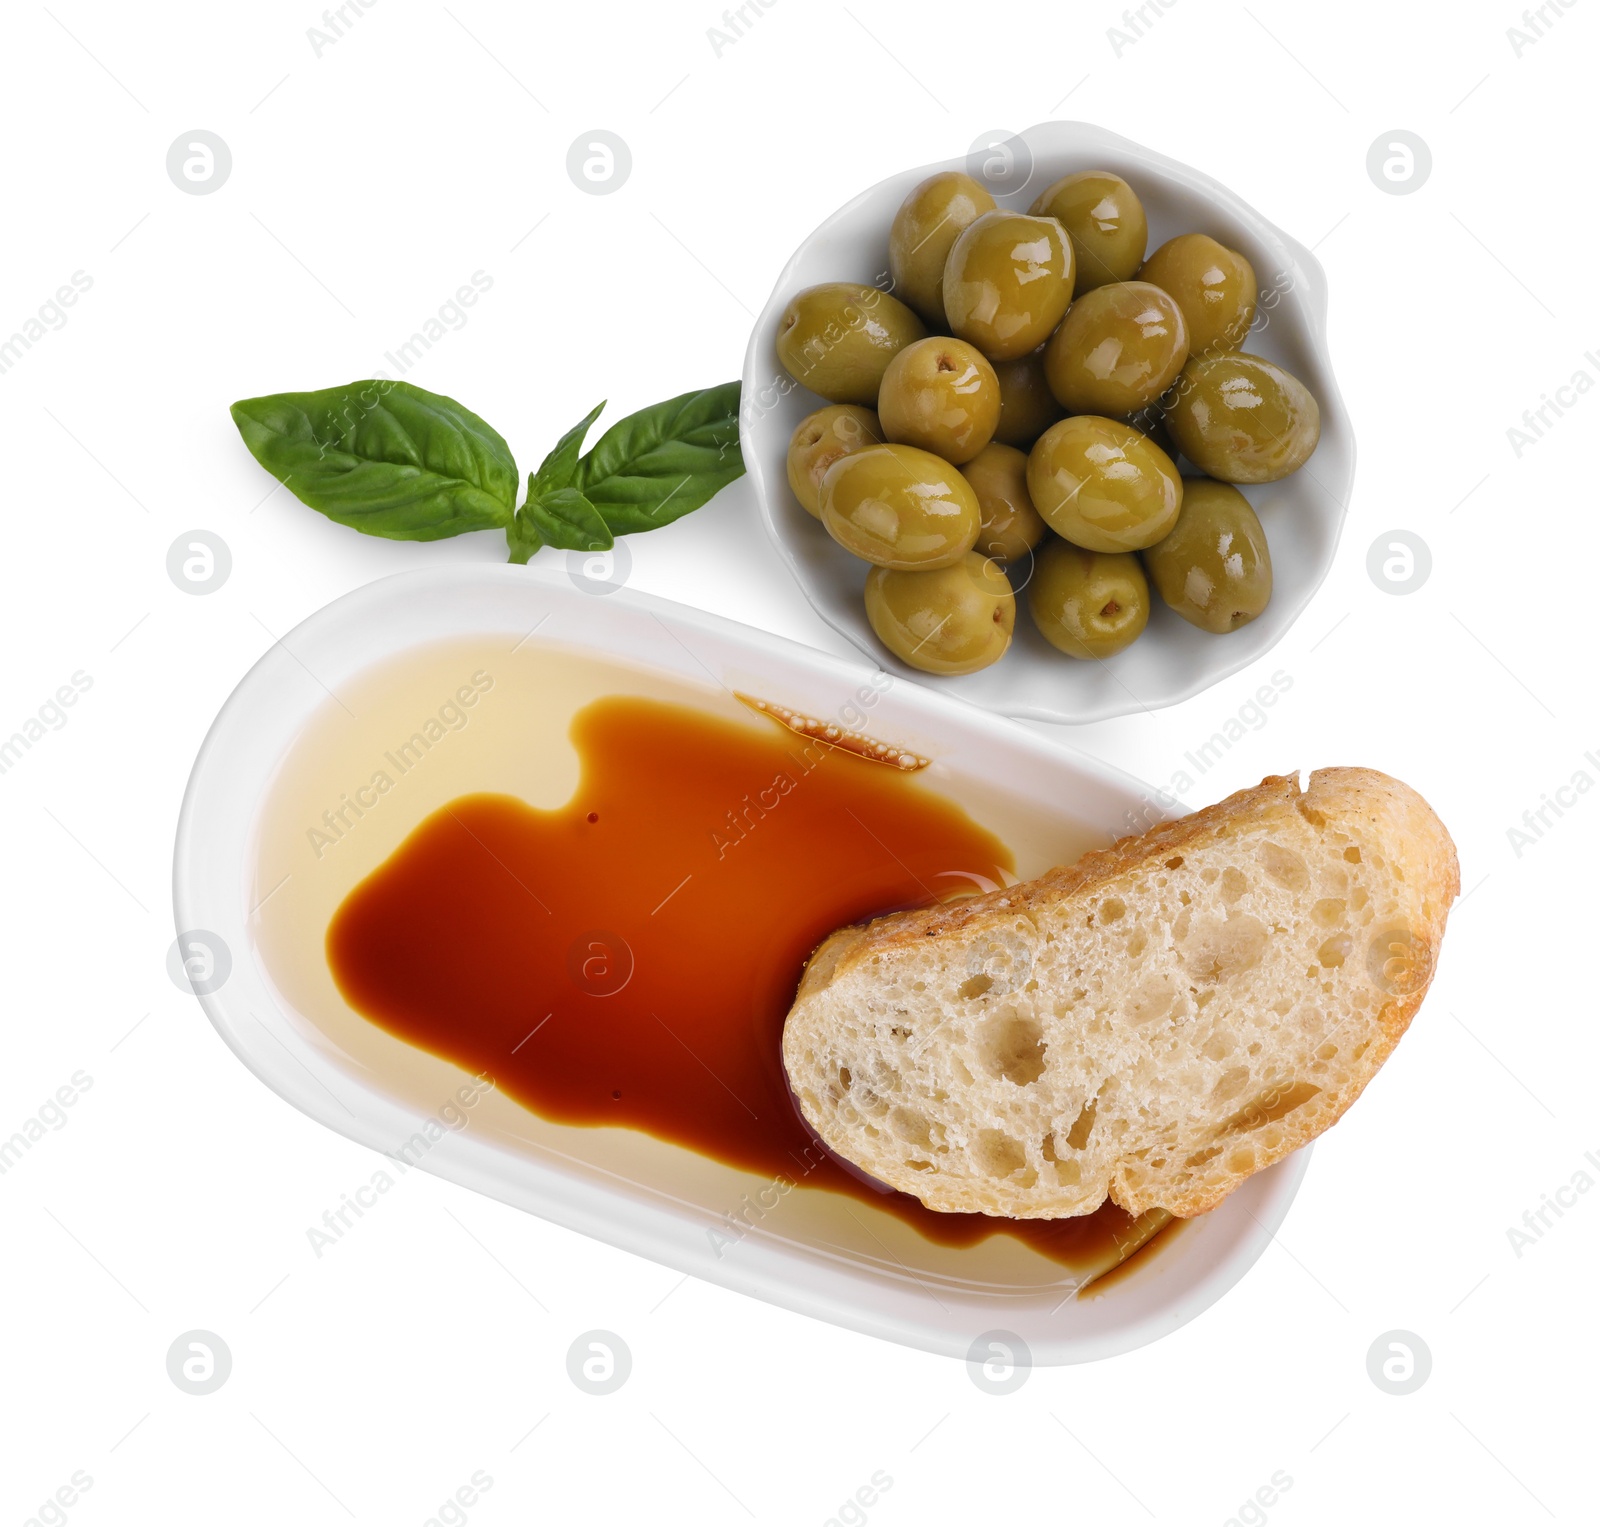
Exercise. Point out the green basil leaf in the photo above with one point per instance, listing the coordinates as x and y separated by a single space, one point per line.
522 539
565 518
558 467
656 465
384 457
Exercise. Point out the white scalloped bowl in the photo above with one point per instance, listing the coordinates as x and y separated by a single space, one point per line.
1302 514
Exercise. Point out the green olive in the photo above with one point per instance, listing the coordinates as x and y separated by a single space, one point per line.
1103 485
951 620
838 339
1089 604
1007 282
1213 566
1239 418
1027 406
940 395
1214 286
1117 350
900 507
1010 525
1105 222
924 228
820 439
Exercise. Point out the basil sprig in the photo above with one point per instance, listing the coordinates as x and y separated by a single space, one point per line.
391 459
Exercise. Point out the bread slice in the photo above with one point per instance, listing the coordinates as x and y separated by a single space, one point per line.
1154 1023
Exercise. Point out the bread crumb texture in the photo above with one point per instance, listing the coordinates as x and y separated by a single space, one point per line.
1153 1024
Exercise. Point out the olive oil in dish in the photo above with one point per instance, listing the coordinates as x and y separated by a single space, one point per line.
597 889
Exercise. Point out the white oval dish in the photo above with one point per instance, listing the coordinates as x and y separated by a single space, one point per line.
1302 514
616 1185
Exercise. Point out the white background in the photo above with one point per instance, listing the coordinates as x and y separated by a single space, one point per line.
370 182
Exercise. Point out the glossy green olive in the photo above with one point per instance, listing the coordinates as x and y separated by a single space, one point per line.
929 221
940 395
1117 350
1007 282
838 339
1104 220
1088 604
1213 566
1027 406
1240 418
952 620
1103 485
1009 524
820 439
1214 287
899 507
